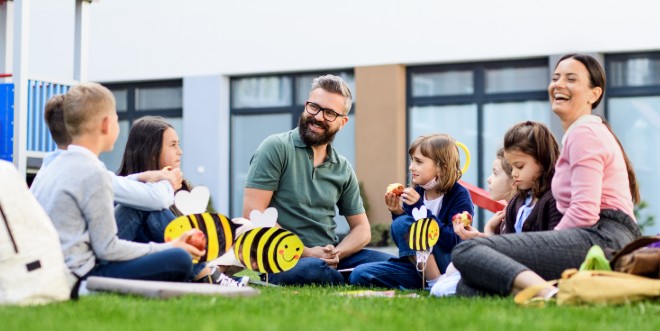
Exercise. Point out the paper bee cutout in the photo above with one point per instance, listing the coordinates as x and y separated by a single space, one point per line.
267 249
219 231
424 232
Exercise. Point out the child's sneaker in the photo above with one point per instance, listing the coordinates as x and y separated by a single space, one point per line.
219 278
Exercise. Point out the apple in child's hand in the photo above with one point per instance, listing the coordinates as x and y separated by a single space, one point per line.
197 239
463 217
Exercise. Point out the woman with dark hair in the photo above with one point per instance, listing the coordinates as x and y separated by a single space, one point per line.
589 176
153 144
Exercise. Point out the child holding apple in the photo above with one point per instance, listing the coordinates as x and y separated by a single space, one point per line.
76 192
435 170
153 144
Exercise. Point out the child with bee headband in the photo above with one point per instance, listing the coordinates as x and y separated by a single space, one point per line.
435 169
76 192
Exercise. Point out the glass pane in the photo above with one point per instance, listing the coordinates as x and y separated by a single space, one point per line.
460 121
634 72
274 91
149 98
517 79
498 118
636 122
121 97
112 159
442 83
244 141
304 83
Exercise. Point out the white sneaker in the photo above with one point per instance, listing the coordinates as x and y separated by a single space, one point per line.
224 280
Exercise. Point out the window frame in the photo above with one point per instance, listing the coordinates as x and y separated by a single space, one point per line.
132 113
479 98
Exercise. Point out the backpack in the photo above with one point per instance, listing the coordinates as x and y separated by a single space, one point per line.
32 268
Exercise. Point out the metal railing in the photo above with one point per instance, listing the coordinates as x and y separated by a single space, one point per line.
38 135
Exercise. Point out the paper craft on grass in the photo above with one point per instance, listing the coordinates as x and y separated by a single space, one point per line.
376 294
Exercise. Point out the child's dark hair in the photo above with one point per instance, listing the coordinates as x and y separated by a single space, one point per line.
537 141
145 141
505 164
54 117
442 149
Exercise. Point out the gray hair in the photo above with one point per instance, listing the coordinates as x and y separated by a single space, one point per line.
334 84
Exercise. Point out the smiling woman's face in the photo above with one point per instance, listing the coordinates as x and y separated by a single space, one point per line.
571 94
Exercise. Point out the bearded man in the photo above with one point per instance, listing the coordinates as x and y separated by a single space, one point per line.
300 174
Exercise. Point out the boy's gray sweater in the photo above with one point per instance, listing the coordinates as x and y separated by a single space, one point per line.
76 192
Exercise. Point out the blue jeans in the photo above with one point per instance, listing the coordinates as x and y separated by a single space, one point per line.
400 233
145 226
142 226
398 273
311 270
172 265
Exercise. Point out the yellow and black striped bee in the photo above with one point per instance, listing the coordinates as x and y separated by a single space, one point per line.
424 233
220 232
268 250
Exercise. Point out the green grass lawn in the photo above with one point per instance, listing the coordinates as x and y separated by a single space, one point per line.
321 308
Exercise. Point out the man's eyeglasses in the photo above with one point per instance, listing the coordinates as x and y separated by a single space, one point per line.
329 114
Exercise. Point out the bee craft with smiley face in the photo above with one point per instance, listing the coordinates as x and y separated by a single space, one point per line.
424 234
220 232
267 249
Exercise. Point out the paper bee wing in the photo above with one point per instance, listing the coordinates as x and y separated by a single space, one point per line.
193 202
267 219
424 234
219 231
419 213
269 250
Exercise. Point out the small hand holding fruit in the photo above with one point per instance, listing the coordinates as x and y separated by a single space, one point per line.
197 239
191 246
465 218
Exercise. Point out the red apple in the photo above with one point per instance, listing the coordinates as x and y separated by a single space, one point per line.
463 217
197 239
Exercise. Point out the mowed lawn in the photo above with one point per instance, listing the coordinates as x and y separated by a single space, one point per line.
321 308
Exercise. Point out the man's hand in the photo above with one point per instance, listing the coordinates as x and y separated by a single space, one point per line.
327 253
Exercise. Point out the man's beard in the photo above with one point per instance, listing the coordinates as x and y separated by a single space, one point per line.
311 138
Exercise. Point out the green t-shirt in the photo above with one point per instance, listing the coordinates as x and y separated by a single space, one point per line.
305 197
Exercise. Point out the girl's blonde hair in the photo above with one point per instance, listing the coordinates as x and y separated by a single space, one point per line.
85 103
442 149
537 141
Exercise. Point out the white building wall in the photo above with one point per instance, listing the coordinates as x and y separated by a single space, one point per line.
149 39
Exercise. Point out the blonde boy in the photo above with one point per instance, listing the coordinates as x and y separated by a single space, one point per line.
76 192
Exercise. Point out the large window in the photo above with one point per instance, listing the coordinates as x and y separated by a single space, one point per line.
476 103
265 105
134 100
633 108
